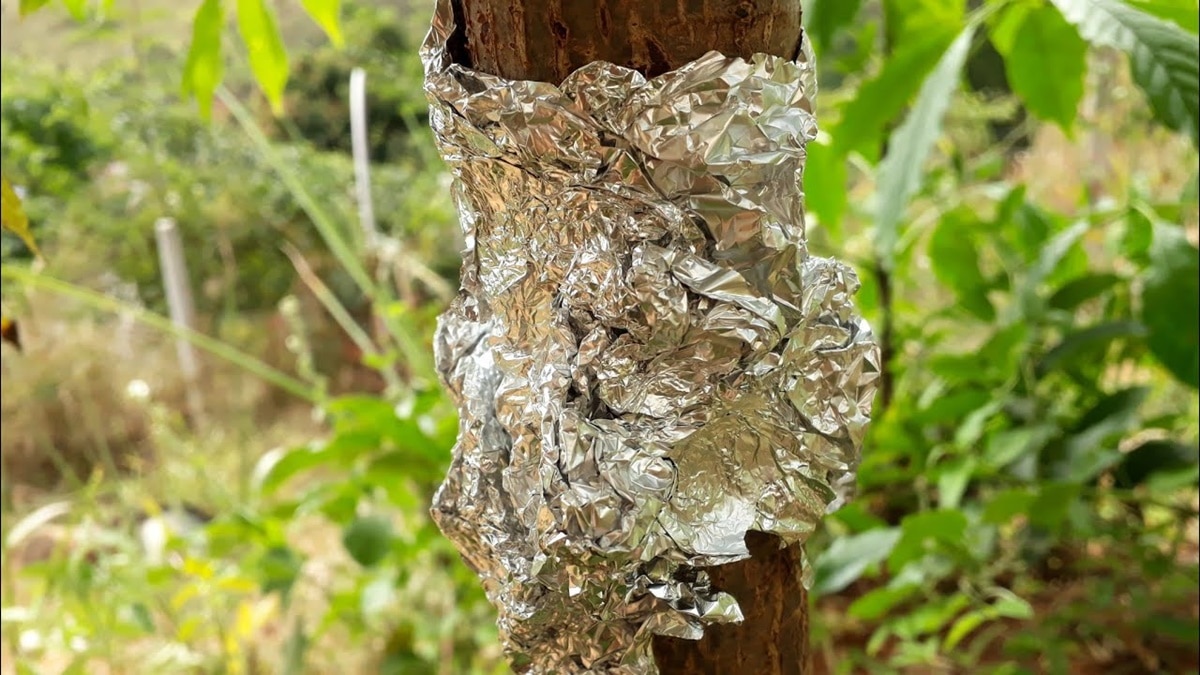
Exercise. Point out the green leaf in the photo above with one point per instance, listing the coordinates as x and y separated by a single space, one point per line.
142 617
368 540
1006 447
848 557
973 425
825 185
77 9
901 171
327 14
1179 12
277 466
964 626
1012 606
1008 504
29 6
1007 606
1053 502
877 602
204 69
1052 253
907 19
823 18
1136 233
1090 341
1171 304
943 529
1139 465
264 44
930 616
1078 291
1002 31
953 480
1092 446
1164 58
955 262
880 99
278 569
1046 64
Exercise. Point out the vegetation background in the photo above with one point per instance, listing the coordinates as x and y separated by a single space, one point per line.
1015 181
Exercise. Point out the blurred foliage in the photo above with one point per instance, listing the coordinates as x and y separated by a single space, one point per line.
1028 494
1029 440
317 99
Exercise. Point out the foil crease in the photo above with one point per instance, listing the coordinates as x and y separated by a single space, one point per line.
646 360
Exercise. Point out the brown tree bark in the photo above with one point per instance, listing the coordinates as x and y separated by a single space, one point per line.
546 40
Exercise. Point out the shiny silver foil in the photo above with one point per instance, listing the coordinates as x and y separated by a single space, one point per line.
646 360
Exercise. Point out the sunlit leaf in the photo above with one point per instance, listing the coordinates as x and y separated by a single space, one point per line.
908 19
1171 304
327 15
12 215
1046 63
902 169
277 466
264 45
1002 30
28 6
77 8
204 69
1165 59
1007 606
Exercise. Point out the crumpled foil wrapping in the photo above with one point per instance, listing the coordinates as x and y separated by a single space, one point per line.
646 360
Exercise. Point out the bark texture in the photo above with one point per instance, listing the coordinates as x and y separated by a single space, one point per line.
773 639
546 40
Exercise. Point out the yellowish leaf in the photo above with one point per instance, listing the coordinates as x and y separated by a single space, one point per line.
12 216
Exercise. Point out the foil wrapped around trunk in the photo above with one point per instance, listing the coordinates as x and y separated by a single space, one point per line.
646 360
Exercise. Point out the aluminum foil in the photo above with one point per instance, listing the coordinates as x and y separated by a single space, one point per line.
646 360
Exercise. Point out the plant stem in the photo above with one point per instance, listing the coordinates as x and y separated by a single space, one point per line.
887 338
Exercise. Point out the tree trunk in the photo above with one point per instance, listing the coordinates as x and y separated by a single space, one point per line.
546 40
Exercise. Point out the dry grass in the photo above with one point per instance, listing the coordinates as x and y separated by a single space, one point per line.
66 407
